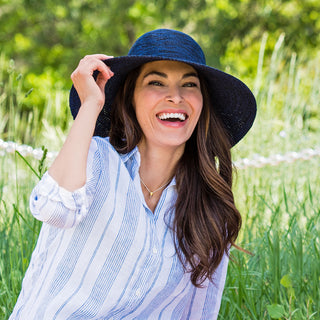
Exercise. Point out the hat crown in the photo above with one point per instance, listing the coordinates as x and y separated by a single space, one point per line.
171 44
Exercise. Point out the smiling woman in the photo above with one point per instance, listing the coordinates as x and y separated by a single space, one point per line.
160 96
137 208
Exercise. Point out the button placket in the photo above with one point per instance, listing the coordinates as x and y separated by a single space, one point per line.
154 244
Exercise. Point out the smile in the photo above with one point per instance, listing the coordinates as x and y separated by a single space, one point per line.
172 117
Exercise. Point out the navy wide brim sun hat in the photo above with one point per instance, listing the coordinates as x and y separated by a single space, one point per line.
231 99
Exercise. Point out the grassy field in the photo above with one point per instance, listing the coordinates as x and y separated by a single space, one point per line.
280 204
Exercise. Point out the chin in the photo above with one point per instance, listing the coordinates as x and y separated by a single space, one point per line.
174 143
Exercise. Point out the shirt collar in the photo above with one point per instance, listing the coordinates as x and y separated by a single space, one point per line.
132 162
127 156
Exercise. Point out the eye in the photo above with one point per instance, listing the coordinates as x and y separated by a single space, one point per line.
190 84
155 83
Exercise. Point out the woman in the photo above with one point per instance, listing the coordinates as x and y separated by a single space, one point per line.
138 220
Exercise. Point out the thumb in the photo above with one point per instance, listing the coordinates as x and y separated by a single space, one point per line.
101 81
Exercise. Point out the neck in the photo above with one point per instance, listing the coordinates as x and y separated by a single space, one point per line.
158 165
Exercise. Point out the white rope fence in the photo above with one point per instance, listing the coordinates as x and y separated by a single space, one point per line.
257 161
24 150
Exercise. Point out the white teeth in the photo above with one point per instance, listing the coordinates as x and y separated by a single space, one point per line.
180 116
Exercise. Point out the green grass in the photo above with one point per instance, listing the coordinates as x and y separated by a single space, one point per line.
280 204
18 230
281 212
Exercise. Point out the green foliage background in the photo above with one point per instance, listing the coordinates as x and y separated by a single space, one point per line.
47 38
55 34
270 44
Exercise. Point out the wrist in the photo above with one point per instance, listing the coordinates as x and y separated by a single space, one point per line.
91 107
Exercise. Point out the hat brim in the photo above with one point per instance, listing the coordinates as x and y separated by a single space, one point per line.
231 99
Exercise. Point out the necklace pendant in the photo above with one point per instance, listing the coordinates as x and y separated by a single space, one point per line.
152 192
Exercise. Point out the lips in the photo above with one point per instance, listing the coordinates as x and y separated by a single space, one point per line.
172 116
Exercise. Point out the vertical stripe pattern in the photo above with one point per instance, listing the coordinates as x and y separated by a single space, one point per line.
102 254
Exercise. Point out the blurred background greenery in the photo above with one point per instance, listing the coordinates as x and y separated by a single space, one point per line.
46 39
50 36
272 45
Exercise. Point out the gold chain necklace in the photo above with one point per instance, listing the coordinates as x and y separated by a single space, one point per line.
151 193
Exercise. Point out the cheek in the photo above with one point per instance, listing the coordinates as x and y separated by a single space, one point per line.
139 106
141 99
197 102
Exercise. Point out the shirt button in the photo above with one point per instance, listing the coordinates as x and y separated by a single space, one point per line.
155 250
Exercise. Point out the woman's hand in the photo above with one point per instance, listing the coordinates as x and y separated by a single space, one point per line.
69 168
89 90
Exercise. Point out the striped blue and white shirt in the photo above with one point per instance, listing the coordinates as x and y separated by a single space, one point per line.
103 254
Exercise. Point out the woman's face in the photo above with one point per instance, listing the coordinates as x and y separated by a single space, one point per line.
168 102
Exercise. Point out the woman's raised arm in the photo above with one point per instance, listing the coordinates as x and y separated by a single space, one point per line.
69 168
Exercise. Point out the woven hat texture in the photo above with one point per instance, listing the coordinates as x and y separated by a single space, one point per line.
231 99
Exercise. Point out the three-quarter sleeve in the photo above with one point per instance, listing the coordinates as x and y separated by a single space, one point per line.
59 207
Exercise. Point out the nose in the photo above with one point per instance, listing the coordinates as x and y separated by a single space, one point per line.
174 95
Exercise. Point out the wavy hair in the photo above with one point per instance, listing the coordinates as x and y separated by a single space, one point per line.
206 221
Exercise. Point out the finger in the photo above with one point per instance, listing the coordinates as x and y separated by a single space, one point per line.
94 58
102 80
88 65
95 63
100 56
104 70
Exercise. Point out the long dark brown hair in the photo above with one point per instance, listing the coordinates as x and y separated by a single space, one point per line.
206 221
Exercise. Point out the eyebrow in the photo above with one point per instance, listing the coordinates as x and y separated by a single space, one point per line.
164 75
